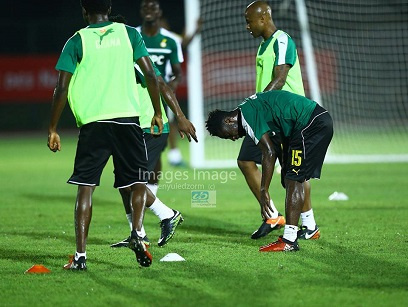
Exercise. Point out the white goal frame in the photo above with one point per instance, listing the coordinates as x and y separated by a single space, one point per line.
195 93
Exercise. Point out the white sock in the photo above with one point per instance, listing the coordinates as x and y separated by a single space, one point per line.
77 255
275 211
142 232
174 156
129 218
308 219
290 233
161 210
153 187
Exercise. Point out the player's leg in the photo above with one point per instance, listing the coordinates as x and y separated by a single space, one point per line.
312 143
130 171
169 218
317 137
248 156
294 176
83 215
154 148
92 154
308 229
125 194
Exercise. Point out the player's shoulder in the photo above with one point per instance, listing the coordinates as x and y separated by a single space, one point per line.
131 28
170 35
282 36
72 42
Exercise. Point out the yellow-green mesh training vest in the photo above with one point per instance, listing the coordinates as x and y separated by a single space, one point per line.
147 110
104 85
265 62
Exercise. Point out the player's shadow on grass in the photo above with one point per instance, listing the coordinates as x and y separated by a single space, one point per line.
343 262
49 198
69 199
54 260
221 231
48 235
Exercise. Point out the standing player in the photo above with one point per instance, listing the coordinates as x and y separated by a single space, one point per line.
305 129
165 51
277 68
96 74
169 218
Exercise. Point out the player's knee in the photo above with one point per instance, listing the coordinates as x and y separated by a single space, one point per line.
246 166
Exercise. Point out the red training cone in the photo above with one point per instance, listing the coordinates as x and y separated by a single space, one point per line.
38 269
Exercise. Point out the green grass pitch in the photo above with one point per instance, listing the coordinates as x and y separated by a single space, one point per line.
360 259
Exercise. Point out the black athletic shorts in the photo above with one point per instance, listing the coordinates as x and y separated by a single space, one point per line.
251 152
308 147
120 138
155 146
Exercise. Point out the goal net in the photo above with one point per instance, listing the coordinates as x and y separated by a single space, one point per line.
357 50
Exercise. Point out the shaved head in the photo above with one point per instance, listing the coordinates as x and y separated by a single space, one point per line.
258 16
258 9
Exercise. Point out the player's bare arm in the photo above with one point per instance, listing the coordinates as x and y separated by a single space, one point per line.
280 73
59 100
184 125
268 166
177 76
154 91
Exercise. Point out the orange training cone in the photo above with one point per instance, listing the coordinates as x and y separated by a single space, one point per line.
38 269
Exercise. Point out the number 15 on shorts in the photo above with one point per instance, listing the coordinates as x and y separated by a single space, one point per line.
296 157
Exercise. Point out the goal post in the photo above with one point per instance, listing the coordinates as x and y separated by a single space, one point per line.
353 61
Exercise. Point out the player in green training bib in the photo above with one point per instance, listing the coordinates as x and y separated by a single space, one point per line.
96 75
277 68
169 218
166 53
305 130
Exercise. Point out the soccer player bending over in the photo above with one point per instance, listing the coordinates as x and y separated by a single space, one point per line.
305 129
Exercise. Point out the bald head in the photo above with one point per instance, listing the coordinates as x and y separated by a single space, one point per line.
259 9
258 16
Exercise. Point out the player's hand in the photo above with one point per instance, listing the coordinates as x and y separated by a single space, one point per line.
187 128
156 121
54 141
265 203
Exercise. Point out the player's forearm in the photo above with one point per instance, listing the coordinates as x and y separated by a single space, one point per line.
268 166
278 78
275 84
170 99
268 161
174 82
58 103
154 92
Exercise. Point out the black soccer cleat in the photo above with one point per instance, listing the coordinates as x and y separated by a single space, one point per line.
125 242
143 257
268 226
168 227
76 265
305 234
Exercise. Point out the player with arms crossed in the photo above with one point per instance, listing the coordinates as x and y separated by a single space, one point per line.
305 129
96 75
166 53
277 68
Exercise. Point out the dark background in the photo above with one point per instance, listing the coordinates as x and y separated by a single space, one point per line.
42 27
35 28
